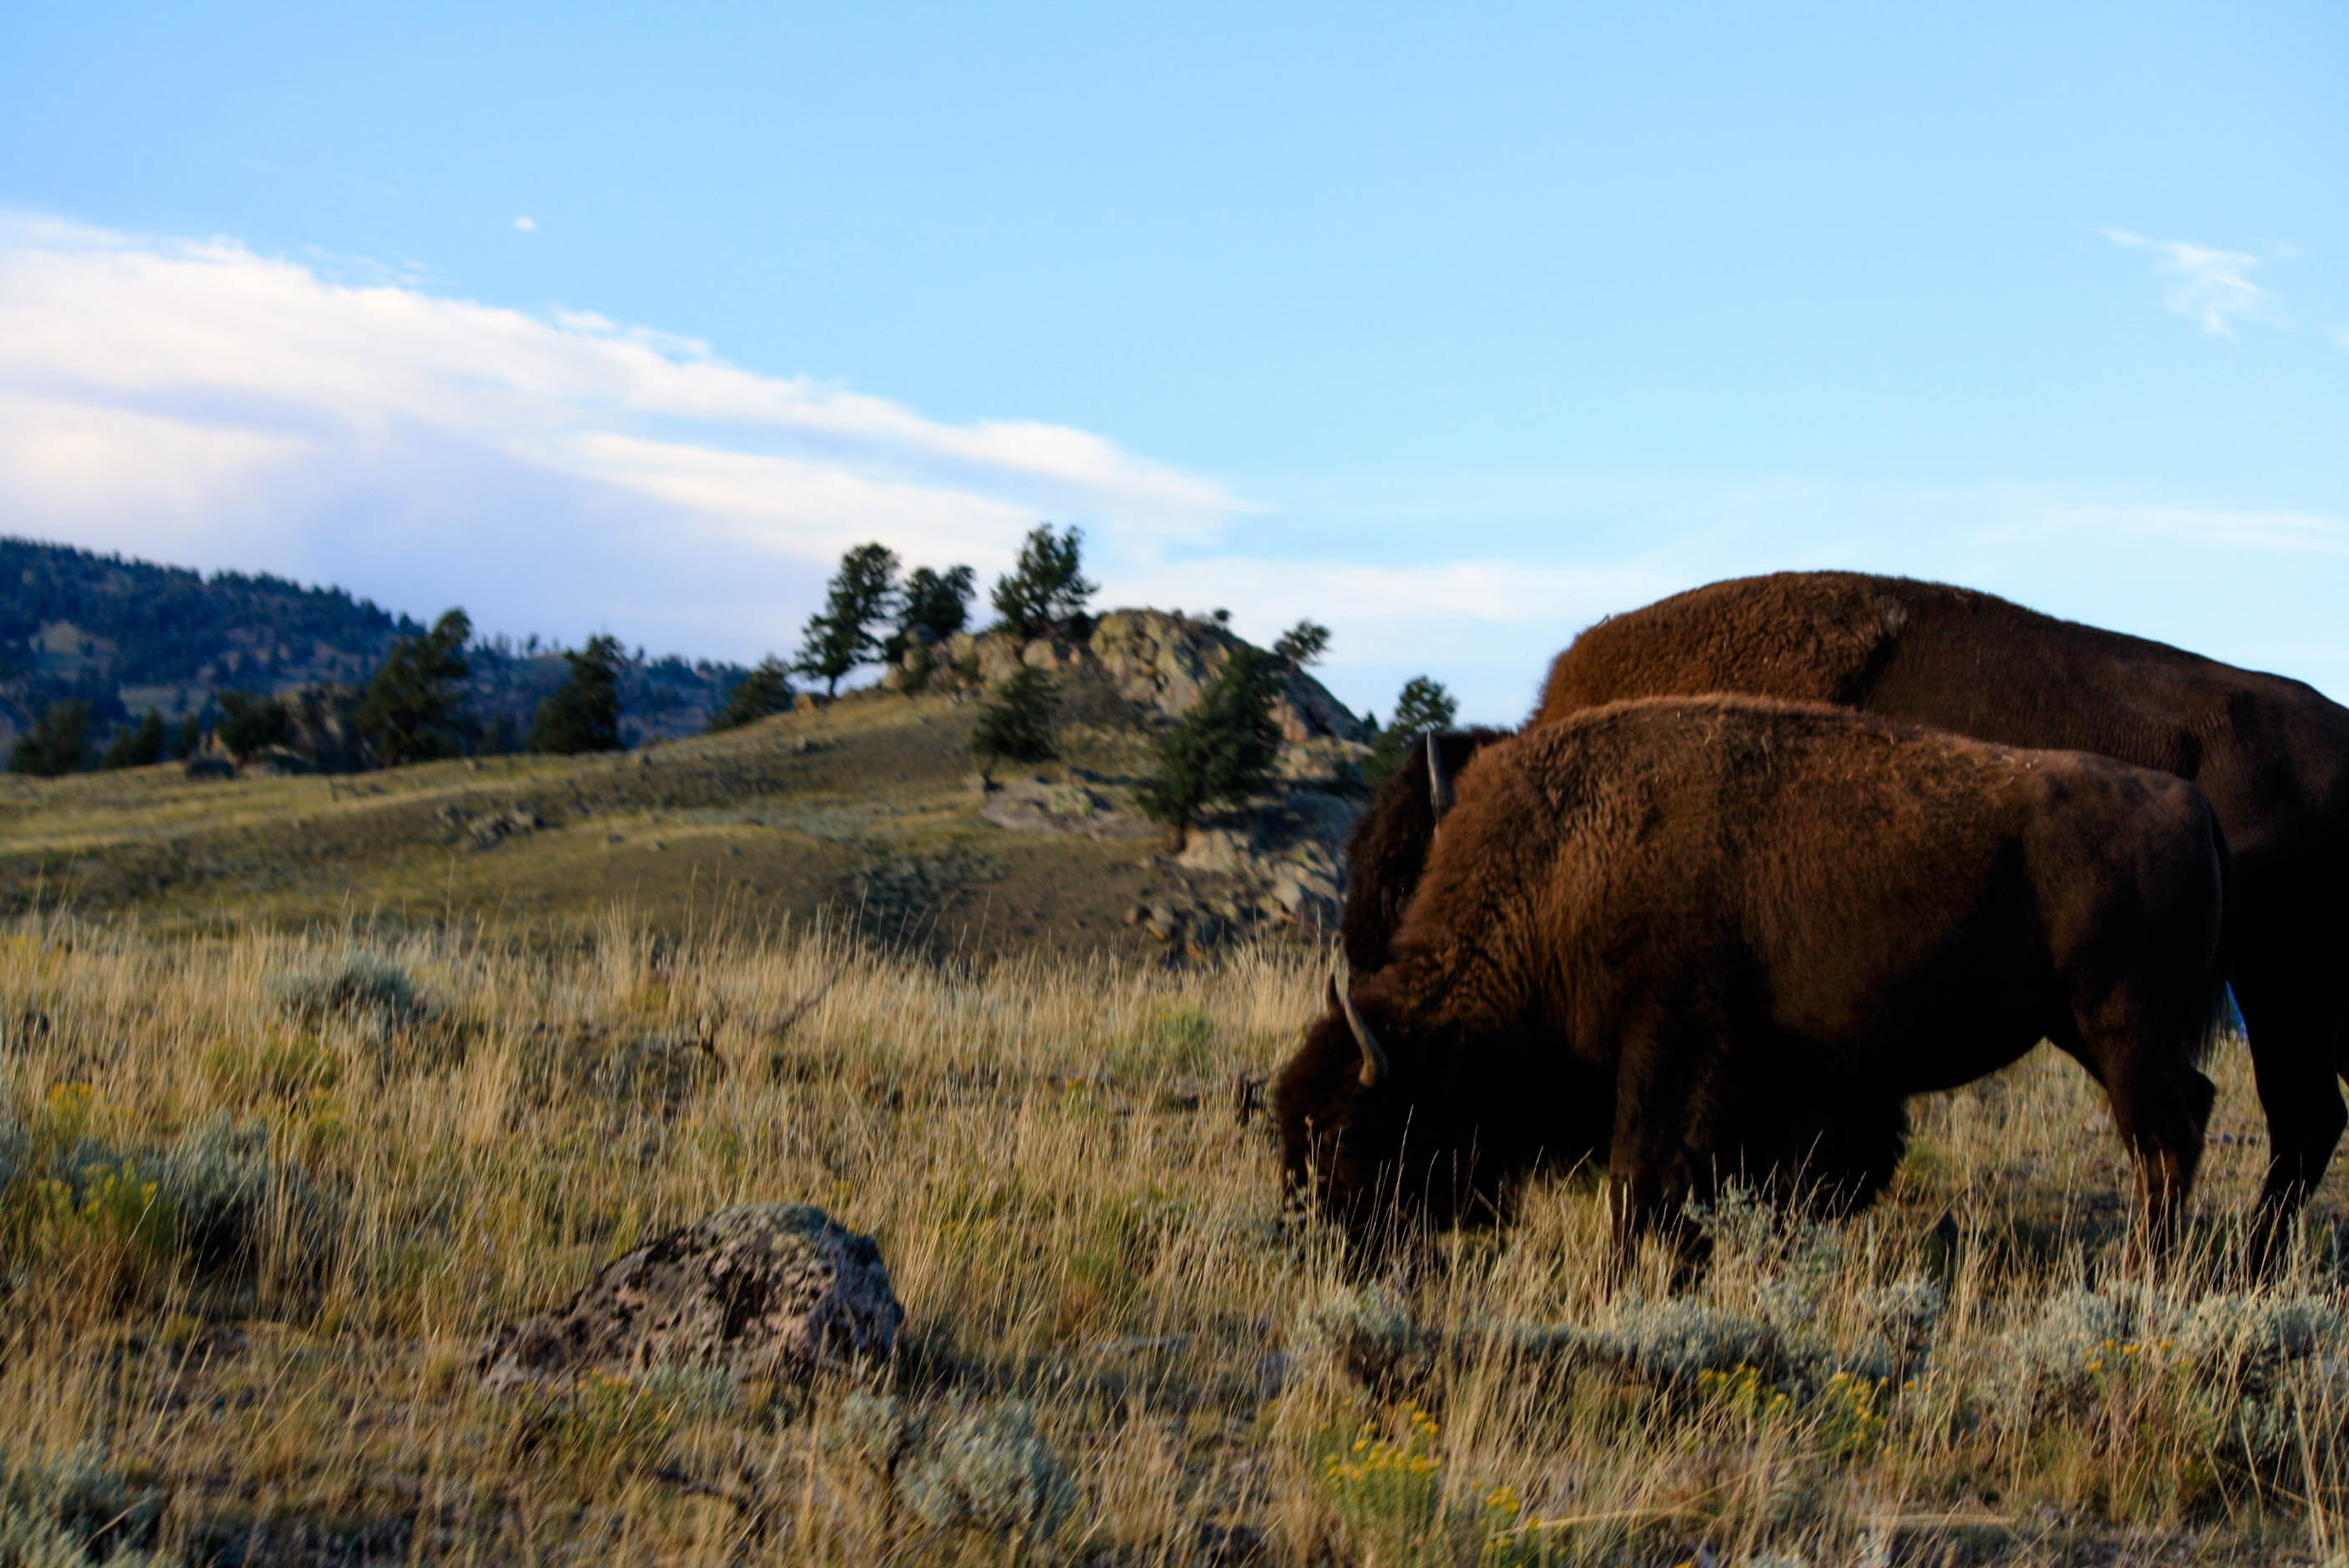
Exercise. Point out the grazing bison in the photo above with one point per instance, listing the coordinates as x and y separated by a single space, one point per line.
1719 933
2271 754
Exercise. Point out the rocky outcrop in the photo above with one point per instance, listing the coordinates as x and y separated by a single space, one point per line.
488 829
1158 661
1081 805
1167 662
764 1290
1291 851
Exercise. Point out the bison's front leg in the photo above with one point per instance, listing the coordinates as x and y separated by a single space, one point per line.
1648 1167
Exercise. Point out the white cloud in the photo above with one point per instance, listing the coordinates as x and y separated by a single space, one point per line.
193 399
2219 528
2209 286
526 225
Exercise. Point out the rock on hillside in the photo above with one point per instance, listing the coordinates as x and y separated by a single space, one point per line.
1162 661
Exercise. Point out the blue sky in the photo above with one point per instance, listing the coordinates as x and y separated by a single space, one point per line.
1453 328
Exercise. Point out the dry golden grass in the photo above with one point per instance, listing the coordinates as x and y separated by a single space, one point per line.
1074 1219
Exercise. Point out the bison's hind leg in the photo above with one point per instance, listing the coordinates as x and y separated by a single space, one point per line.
2142 1044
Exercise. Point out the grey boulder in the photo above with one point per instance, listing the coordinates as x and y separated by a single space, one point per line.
764 1290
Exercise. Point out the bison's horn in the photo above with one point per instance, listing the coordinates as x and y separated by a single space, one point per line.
1375 1060
1439 783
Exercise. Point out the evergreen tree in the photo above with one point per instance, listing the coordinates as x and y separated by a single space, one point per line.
1303 644
248 723
841 636
414 709
1223 749
192 735
583 713
1016 725
935 606
140 748
765 690
1421 706
59 742
1045 588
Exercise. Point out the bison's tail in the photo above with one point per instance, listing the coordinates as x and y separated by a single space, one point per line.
2217 1018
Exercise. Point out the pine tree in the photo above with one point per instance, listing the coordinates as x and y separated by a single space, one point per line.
765 690
583 713
140 748
1422 705
59 742
934 607
250 724
1016 725
841 636
1223 750
414 709
1045 587
1303 644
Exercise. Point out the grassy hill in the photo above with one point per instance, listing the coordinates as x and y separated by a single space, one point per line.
863 813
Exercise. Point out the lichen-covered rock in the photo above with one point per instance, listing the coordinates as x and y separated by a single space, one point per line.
766 1290
1167 662
1161 661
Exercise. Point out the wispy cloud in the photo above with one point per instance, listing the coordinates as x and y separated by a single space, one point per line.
526 224
2208 286
193 398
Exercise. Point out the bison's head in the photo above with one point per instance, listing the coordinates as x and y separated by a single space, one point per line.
1368 1135
1389 1115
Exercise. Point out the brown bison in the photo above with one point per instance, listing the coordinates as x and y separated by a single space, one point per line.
1721 933
2271 754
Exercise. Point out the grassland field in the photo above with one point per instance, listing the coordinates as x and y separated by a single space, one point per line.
301 1095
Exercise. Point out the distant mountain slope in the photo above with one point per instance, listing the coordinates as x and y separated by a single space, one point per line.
126 635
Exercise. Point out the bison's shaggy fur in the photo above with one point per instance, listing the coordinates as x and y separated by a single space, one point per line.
1719 934
1388 846
2271 754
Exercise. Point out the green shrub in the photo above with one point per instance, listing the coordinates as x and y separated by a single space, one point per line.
1387 1490
220 1180
606 1426
989 1470
874 1430
1016 724
1367 1333
208 1201
73 1513
1170 1040
354 986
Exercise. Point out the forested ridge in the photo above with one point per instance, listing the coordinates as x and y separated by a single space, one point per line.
125 635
